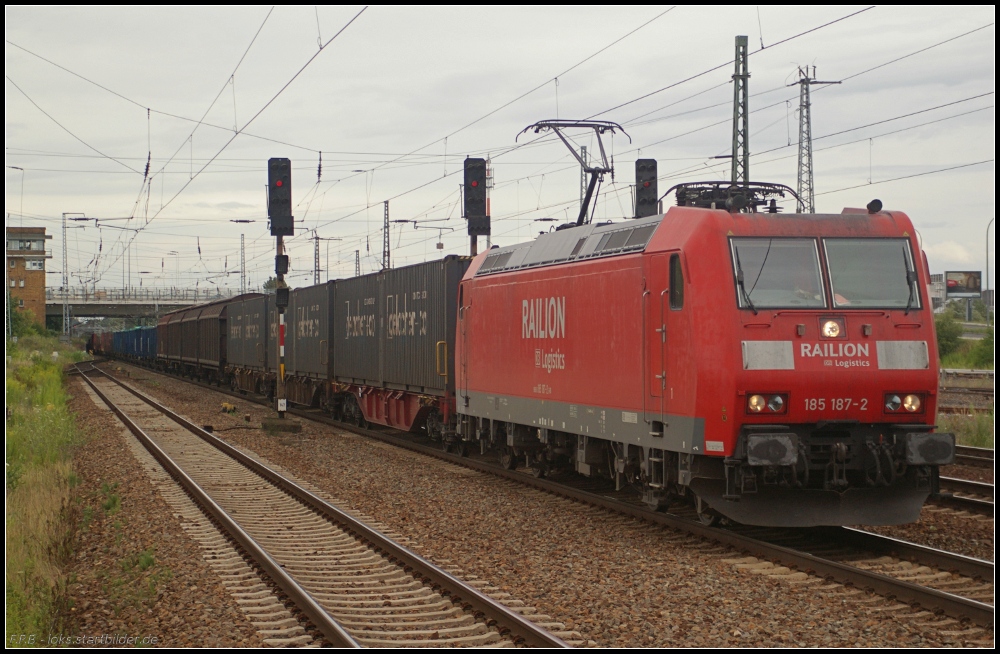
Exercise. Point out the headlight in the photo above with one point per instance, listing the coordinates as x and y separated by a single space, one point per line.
831 329
892 402
772 402
911 403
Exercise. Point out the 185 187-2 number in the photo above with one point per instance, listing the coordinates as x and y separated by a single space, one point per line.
835 403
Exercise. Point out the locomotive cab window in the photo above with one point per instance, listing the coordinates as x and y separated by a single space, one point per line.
777 273
676 282
872 273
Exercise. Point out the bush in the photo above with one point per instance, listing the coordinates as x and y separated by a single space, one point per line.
983 354
949 333
22 323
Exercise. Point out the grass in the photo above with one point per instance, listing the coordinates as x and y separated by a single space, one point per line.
138 583
975 430
41 518
966 356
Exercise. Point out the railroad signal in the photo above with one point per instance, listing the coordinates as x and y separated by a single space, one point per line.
279 197
475 196
645 187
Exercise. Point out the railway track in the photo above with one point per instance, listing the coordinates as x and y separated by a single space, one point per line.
934 580
979 457
354 585
967 390
962 410
965 373
964 495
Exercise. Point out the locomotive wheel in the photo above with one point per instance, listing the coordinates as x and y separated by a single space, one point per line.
447 446
539 469
463 448
706 515
508 459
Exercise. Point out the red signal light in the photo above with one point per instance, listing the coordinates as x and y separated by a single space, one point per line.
475 183
278 183
645 185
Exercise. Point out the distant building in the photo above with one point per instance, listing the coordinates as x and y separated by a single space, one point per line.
26 255
937 289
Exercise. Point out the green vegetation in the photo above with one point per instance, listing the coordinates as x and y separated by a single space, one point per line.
41 519
975 430
956 308
137 585
984 354
22 323
949 333
967 353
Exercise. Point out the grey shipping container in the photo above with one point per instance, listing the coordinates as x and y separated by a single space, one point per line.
307 331
234 333
396 328
247 342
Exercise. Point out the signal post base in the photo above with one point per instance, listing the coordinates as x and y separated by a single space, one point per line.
281 425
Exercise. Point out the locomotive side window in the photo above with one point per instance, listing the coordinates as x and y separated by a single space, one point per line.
872 273
777 273
676 282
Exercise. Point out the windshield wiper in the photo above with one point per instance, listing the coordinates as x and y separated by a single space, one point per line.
911 280
739 280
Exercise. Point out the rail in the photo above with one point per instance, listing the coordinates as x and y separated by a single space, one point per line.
521 630
904 591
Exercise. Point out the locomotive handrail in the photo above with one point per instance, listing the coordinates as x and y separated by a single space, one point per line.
438 358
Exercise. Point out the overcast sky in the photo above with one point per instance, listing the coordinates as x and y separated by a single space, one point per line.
402 95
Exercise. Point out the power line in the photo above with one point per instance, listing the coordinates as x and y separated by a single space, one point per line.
896 179
67 130
916 52
238 132
507 104
887 120
720 66
219 94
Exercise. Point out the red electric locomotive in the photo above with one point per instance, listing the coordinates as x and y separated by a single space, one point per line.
776 369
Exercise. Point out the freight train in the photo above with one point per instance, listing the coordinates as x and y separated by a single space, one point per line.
773 369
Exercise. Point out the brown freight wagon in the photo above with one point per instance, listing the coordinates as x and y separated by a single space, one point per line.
193 341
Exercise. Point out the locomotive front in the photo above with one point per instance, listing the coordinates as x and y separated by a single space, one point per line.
836 398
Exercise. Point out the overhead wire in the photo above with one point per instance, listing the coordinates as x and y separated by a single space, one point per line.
254 117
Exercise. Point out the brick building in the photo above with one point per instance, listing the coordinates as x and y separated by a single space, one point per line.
26 257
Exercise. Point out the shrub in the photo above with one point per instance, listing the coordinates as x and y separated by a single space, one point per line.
983 354
949 333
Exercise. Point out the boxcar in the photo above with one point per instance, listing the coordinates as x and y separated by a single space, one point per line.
193 341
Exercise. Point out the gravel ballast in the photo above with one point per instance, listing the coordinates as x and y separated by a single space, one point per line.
615 580
136 572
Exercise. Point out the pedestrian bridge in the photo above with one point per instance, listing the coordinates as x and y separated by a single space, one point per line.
131 302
